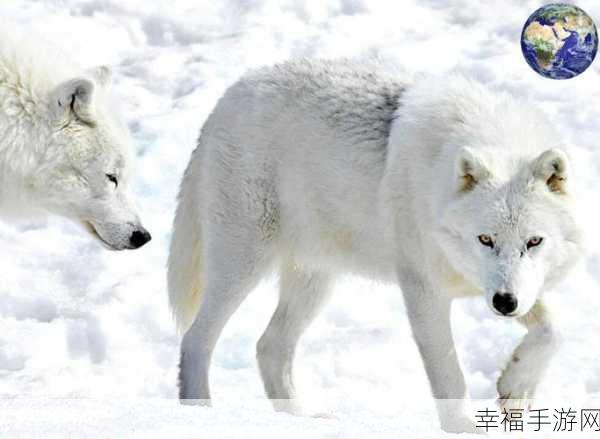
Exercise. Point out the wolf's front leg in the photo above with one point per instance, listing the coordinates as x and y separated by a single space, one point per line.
429 315
520 377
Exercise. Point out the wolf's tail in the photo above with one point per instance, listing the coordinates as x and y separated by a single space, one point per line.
184 276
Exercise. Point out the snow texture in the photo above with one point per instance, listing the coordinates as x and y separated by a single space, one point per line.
87 344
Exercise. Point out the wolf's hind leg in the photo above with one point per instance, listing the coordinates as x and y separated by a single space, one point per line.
231 271
302 295
520 377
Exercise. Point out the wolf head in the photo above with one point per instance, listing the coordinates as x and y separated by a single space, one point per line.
510 228
86 168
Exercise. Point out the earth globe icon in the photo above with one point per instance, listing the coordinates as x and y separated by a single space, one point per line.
559 41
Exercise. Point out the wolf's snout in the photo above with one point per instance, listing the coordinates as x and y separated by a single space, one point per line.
139 238
505 303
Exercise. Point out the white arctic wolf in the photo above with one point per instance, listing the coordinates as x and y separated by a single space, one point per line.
61 148
318 168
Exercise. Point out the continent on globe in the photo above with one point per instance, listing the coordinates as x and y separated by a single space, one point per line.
559 41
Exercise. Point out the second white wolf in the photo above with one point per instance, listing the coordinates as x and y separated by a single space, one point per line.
314 169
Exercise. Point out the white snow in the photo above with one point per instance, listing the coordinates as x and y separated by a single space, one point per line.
87 345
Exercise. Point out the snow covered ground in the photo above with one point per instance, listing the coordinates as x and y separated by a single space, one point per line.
87 346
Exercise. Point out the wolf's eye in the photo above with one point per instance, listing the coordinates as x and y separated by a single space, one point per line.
534 242
486 240
113 179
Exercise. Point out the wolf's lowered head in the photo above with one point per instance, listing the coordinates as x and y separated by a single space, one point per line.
86 168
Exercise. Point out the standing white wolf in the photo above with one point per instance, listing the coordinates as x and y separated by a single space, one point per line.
61 148
318 168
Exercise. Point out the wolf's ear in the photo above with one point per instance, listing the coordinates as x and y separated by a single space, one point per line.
102 75
73 97
470 170
552 166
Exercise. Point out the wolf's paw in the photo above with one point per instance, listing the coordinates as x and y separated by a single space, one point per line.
517 398
460 424
509 403
195 402
290 406
516 387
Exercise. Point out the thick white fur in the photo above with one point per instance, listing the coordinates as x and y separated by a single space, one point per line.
59 139
316 168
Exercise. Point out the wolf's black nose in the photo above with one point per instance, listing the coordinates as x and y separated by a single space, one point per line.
505 303
139 238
